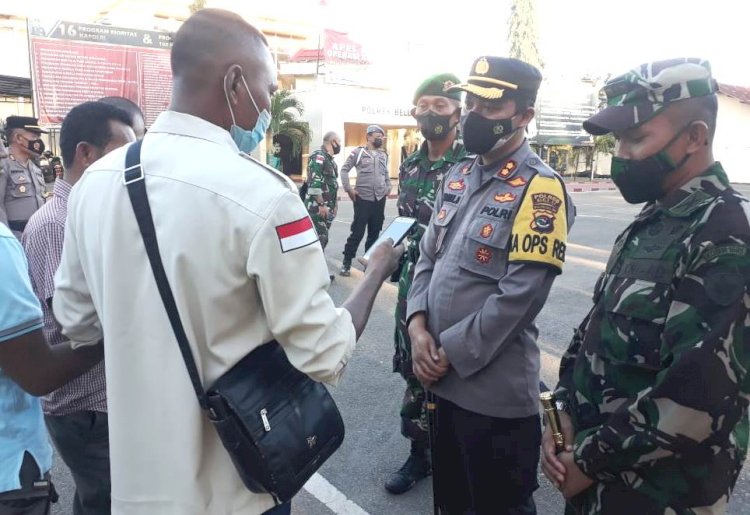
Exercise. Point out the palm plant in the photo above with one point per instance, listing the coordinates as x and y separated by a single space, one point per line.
286 111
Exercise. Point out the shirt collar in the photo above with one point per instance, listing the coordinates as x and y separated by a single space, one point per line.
696 193
506 167
61 190
183 124
451 156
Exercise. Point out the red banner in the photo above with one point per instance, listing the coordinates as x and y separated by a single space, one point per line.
67 72
340 49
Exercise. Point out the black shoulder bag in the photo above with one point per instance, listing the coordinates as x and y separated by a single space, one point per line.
278 425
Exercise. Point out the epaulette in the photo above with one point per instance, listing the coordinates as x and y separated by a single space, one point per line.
535 162
280 176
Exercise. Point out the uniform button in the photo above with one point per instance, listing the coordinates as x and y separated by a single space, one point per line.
534 161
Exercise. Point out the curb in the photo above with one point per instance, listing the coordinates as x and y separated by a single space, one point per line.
579 190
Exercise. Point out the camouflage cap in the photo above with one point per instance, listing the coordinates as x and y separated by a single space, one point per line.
492 77
439 85
640 94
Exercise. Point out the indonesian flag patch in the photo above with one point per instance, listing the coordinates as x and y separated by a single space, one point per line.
295 235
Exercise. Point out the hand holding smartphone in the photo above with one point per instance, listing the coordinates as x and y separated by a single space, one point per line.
397 231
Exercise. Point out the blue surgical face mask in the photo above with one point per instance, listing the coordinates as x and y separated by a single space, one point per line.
247 140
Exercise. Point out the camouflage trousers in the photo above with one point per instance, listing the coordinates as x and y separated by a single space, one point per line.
413 408
322 225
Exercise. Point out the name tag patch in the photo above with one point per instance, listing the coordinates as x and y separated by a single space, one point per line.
497 212
453 198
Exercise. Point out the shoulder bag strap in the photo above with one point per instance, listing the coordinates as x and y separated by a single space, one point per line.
133 178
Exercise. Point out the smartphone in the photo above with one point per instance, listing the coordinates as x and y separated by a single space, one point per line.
397 231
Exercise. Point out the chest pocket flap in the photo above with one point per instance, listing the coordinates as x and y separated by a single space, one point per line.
22 187
444 217
485 248
636 310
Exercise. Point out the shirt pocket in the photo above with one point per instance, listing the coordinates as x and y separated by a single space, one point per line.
636 310
485 249
20 185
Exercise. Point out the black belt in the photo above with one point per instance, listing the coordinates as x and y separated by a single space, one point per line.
17 225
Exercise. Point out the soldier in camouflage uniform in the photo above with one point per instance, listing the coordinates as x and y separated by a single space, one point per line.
322 180
654 387
437 113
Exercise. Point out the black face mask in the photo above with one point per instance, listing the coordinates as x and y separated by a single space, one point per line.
35 146
434 126
377 142
482 134
335 147
642 180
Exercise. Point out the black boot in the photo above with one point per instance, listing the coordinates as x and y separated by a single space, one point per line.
346 267
416 467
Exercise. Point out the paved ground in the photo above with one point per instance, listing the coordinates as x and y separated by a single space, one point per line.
369 395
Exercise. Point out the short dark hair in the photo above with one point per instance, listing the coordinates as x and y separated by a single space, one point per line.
89 122
523 100
704 108
125 104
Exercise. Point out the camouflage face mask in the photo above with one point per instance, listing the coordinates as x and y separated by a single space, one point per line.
642 180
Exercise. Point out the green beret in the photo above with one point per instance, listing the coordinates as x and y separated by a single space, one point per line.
438 85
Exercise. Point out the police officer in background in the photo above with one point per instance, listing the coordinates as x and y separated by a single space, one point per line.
22 189
487 263
437 112
654 386
369 195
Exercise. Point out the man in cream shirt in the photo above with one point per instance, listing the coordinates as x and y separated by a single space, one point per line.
233 237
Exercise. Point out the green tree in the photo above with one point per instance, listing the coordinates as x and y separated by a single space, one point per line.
604 144
523 40
286 111
196 6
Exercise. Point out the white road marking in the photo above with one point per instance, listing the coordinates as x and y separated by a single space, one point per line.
333 499
598 265
586 248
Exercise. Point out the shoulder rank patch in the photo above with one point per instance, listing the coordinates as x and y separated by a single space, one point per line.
320 159
506 170
517 182
297 234
458 185
466 170
504 197
540 229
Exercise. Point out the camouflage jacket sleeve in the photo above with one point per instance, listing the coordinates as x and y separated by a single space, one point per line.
701 391
315 175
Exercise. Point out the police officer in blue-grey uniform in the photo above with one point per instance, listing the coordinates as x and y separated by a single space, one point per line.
22 189
487 262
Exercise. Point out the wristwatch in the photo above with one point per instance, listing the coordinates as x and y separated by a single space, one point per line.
562 406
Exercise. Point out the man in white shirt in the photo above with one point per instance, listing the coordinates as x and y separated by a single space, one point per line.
233 237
